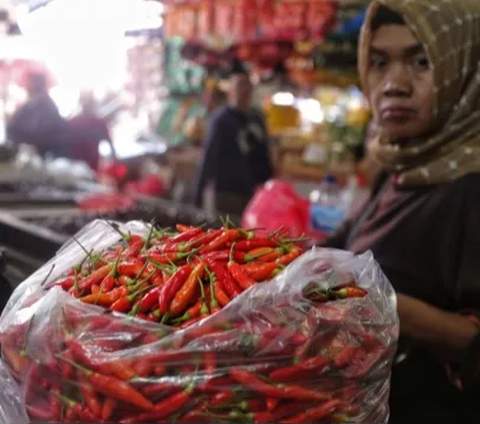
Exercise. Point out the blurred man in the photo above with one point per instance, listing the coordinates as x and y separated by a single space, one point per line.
38 122
236 157
213 98
86 131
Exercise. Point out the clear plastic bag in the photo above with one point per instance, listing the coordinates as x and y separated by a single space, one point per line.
271 355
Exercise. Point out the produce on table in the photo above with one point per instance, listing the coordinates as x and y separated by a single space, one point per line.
313 344
178 278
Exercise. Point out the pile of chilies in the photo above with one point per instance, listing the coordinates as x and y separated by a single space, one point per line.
254 371
178 279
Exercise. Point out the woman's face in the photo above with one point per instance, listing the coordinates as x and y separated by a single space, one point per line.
400 83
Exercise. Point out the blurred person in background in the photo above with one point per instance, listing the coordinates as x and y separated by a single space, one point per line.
236 158
86 131
38 122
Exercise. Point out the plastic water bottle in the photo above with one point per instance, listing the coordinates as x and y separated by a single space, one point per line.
327 207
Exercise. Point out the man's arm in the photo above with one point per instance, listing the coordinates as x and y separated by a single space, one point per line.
266 151
209 164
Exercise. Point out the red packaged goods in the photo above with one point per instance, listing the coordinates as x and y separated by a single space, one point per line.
132 324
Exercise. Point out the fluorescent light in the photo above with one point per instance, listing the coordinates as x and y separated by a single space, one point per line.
283 99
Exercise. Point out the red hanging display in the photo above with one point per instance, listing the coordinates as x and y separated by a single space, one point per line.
245 20
320 18
290 20
224 18
205 19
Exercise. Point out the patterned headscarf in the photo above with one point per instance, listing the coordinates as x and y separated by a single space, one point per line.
450 32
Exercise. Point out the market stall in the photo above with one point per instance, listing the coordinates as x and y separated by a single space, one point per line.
307 87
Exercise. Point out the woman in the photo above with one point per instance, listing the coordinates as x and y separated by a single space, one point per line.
38 122
420 68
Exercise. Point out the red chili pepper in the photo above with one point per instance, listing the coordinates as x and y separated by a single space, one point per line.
190 322
163 409
184 228
220 398
115 388
95 289
39 411
343 358
289 409
363 362
117 368
224 256
82 413
106 299
289 257
314 414
294 372
284 392
123 280
220 296
216 384
159 370
301 393
32 381
66 283
130 269
252 405
89 394
167 257
55 407
108 283
150 299
248 245
220 242
188 236
265 254
204 239
210 361
158 280
134 249
260 272
240 276
349 292
69 416
171 288
67 369
125 303
95 278
226 281
185 295
192 312
108 408
160 389
143 368
272 403
134 238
